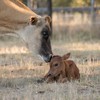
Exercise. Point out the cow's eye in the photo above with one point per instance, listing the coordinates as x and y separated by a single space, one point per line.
45 34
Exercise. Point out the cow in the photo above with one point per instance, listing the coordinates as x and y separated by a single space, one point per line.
62 70
33 29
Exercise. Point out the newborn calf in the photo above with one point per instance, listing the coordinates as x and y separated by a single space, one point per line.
62 70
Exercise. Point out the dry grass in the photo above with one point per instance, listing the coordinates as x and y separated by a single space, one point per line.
20 73
75 26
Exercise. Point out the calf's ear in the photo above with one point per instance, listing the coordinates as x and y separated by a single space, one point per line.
66 56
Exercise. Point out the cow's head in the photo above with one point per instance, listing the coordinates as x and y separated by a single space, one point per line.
45 48
57 65
37 36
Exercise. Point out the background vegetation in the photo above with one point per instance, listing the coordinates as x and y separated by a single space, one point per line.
66 3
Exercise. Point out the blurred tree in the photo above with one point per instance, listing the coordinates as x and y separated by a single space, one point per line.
75 3
87 2
97 2
61 3
78 3
49 4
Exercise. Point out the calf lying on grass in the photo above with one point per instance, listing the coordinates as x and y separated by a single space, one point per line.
62 70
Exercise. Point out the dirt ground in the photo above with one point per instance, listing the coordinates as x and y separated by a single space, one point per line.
20 73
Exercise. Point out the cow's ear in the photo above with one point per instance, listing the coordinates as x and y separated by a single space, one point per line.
48 18
33 20
66 56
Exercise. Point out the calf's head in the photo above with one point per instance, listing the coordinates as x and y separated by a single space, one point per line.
57 65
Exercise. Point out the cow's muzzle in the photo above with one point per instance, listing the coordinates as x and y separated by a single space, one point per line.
46 58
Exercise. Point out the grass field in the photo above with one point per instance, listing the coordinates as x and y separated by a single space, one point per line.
20 73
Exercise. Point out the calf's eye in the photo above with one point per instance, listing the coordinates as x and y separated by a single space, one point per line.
56 65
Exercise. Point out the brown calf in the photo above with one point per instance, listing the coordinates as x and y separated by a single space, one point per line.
62 70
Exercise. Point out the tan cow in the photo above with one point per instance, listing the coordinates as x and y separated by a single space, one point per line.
62 70
17 18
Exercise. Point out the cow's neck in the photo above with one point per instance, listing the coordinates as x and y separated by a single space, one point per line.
13 16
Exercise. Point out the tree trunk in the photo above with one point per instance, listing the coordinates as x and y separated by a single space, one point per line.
49 3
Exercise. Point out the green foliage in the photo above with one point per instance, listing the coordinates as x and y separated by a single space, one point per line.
98 2
73 3
65 3
62 3
78 3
